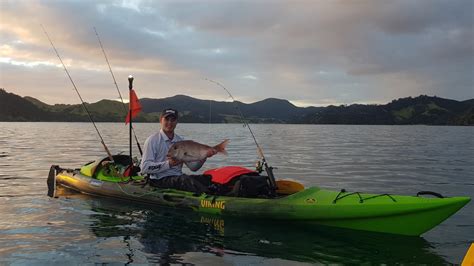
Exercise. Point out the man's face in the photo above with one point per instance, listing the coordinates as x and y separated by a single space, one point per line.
168 123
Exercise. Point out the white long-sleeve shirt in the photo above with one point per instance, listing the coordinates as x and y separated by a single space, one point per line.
154 161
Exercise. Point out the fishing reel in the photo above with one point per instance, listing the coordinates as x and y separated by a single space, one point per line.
259 166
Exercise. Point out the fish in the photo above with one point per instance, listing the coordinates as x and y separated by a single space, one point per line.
194 154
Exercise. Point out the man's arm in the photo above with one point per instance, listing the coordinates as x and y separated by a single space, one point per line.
148 164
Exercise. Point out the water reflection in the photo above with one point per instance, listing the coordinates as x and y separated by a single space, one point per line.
165 236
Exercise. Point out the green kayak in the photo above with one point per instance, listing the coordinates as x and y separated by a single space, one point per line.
395 214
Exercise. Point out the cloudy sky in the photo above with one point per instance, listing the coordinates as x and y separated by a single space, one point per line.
309 52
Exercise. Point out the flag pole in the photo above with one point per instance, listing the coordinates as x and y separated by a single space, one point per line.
130 87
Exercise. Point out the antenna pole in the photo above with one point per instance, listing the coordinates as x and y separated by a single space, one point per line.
130 87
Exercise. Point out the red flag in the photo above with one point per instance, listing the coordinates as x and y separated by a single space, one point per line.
134 106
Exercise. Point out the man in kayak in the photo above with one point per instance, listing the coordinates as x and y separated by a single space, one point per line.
166 172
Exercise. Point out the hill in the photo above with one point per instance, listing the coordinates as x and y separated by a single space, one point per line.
16 108
195 110
423 109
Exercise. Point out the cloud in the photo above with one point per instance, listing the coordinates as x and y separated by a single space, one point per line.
305 51
251 77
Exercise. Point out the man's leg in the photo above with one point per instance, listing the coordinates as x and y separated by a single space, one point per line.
193 184
203 179
182 182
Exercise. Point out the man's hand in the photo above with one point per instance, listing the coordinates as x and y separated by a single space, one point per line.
173 162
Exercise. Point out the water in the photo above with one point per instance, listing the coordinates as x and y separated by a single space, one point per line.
76 228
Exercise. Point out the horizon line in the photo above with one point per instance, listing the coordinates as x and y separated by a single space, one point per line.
297 103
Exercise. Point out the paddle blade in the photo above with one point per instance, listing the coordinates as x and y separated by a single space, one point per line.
469 258
287 187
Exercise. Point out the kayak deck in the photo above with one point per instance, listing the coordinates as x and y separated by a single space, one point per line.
405 215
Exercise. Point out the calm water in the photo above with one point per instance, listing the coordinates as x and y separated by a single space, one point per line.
76 228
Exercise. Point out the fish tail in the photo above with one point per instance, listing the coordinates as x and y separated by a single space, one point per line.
221 146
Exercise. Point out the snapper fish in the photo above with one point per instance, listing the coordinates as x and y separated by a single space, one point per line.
194 154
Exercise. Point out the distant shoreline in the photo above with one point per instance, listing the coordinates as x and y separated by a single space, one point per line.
421 110
197 123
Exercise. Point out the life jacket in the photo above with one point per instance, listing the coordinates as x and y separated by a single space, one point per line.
224 175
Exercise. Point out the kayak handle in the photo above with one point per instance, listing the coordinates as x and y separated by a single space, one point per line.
429 193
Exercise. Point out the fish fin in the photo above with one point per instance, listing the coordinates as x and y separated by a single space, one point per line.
195 165
221 146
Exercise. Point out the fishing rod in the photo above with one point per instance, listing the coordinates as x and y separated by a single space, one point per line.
78 94
268 169
118 90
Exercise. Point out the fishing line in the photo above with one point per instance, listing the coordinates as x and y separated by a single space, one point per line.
260 151
118 90
268 169
78 94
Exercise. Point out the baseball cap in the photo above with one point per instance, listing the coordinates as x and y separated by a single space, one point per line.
169 112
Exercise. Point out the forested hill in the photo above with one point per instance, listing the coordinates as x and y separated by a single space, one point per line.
423 109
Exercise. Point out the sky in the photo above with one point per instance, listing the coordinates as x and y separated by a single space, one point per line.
310 52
